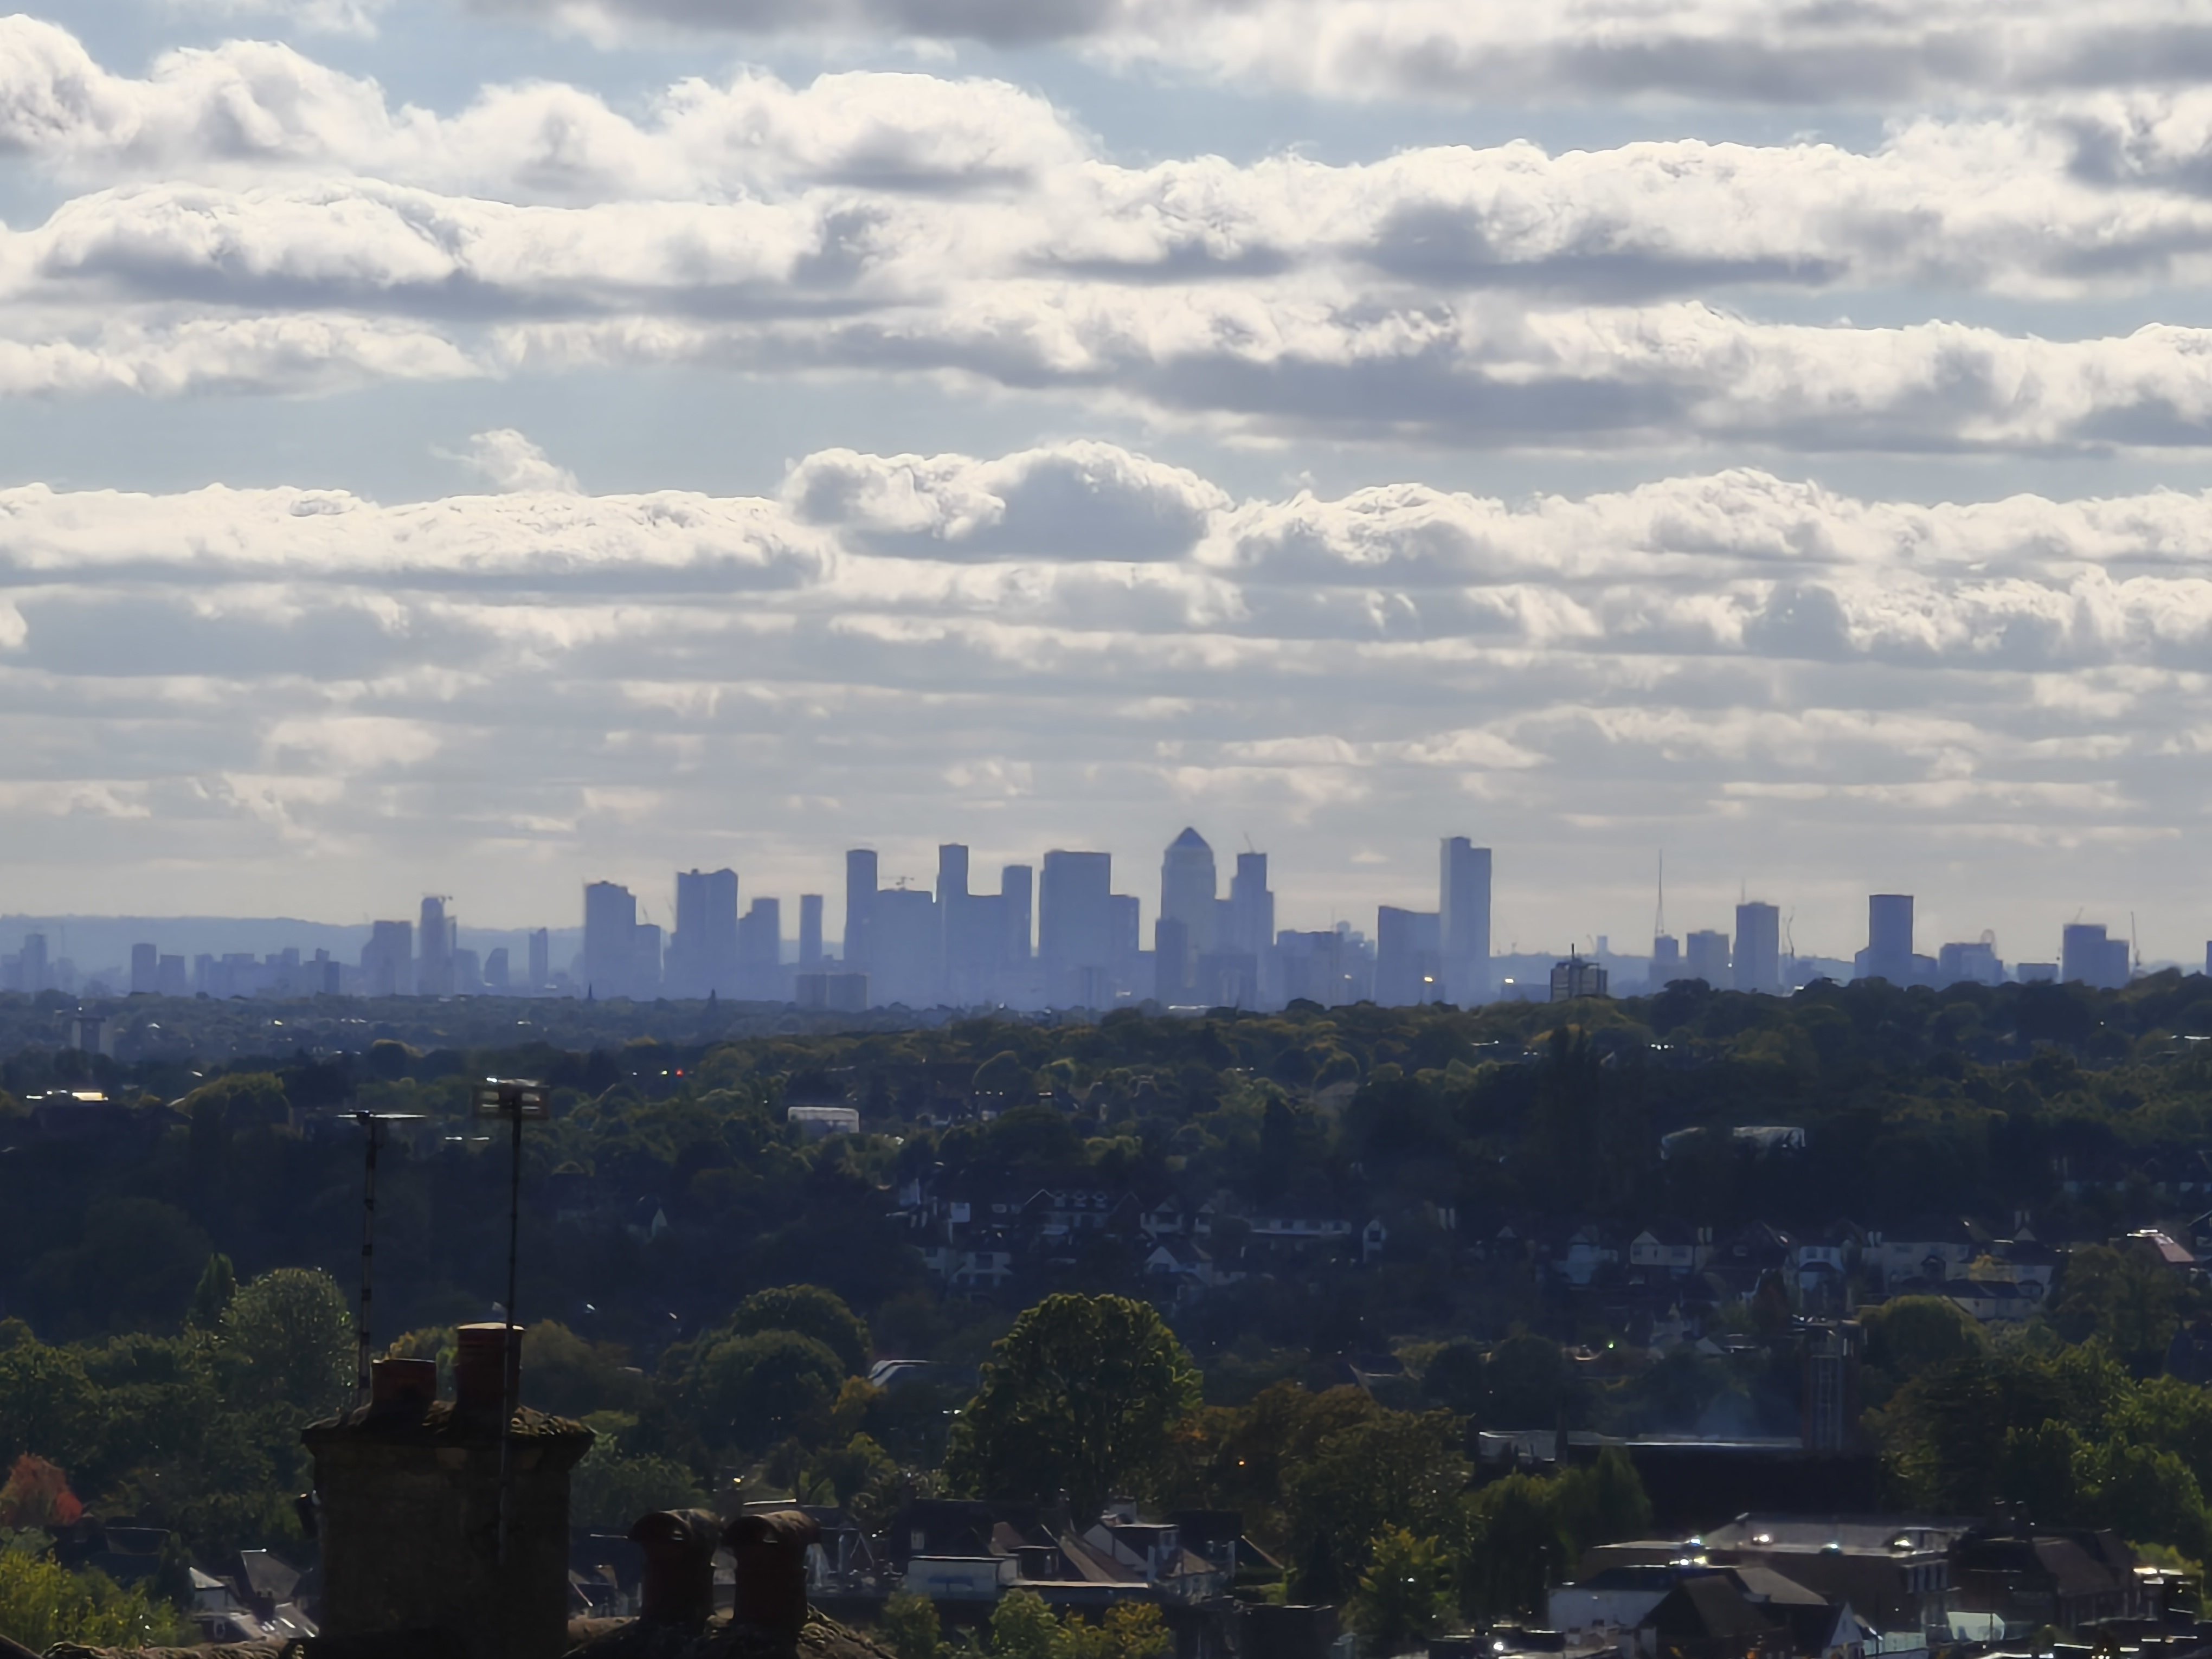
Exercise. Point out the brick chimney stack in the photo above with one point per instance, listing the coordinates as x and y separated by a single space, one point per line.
770 1551
408 1491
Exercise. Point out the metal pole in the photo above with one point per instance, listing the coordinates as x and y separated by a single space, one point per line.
511 1340
375 1133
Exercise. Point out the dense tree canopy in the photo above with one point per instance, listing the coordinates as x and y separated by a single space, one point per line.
1080 1397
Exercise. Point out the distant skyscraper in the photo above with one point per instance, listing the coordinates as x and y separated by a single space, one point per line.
541 958
951 878
1171 961
859 905
33 976
388 961
1974 963
496 976
1708 958
145 970
1665 960
1016 883
968 925
645 961
810 930
1250 929
703 956
1888 954
905 964
434 970
1408 956
1190 887
760 951
1075 920
1126 957
170 978
1758 948
1464 921
2085 954
610 952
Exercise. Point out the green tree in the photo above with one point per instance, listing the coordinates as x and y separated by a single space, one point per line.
1137 1630
842 1477
47 1404
1399 1469
1514 1549
134 1268
294 1332
43 1603
2123 1297
572 1377
1004 1074
1524 1385
2041 1471
1916 1335
211 1297
1132 1631
2146 1493
1603 1503
1405 1593
755 1390
909 1626
244 1100
812 1311
612 1490
1454 1378
1023 1627
1081 1395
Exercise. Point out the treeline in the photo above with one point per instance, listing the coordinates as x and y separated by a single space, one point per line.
2047 1099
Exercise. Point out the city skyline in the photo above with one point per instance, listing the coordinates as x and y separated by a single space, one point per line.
896 423
1057 933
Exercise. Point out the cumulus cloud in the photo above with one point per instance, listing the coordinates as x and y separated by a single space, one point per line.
1745 50
905 224
295 354
1479 374
509 461
975 175
243 108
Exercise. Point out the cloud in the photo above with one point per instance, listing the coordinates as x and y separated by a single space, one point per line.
243 108
872 224
2062 195
1082 501
510 463
269 673
1474 374
293 355
1464 51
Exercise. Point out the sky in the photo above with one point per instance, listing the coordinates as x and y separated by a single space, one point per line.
483 446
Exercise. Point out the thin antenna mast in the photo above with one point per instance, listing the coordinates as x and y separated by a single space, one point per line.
2134 949
1659 917
518 1101
372 1125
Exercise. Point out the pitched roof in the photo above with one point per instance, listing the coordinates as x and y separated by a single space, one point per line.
1189 838
1710 1607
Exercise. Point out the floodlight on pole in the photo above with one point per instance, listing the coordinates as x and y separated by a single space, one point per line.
372 1125
518 1101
